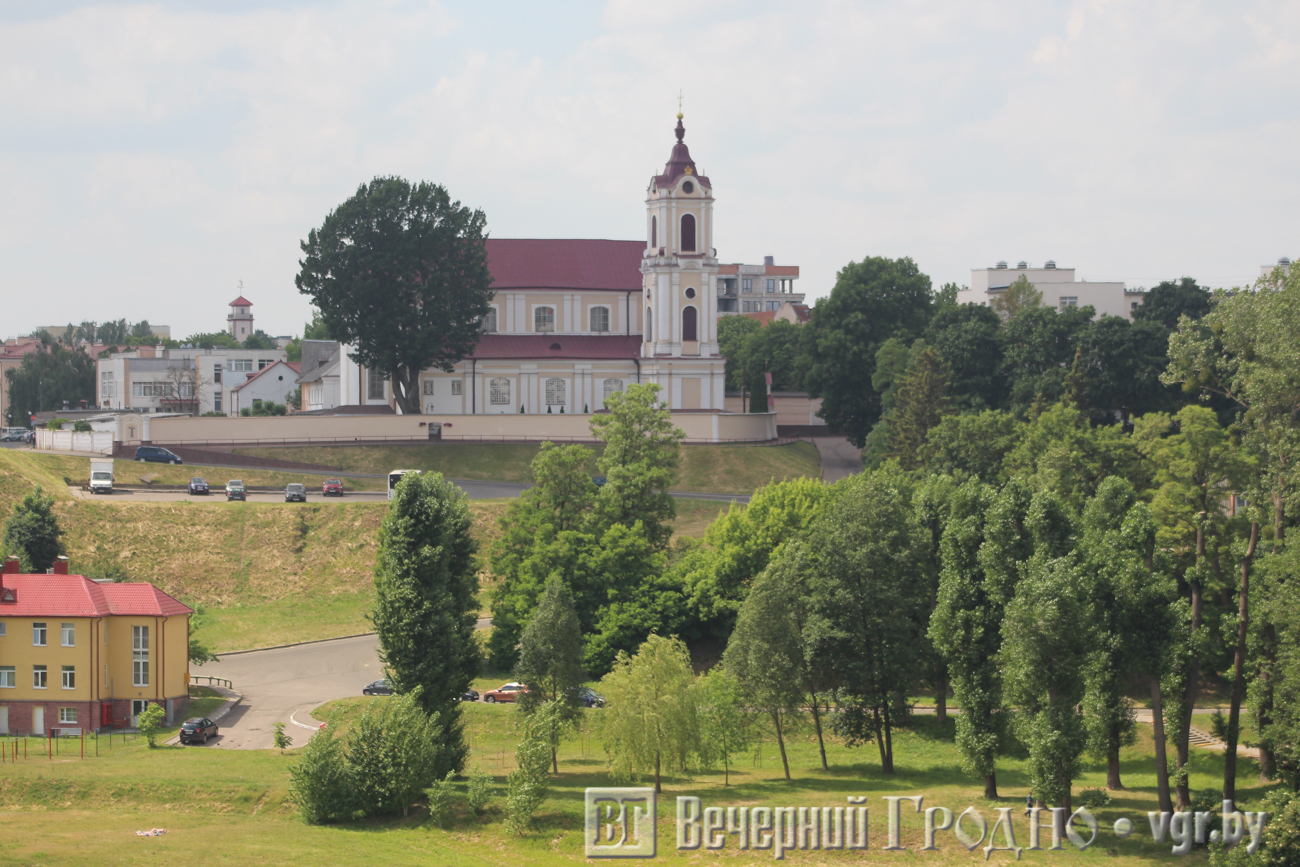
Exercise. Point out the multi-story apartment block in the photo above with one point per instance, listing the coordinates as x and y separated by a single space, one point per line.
757 288
189 380
1059 288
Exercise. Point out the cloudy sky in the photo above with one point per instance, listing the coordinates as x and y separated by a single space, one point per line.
154 155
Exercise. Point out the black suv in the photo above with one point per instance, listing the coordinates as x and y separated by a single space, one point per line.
379 687
197 730
157 455
295 493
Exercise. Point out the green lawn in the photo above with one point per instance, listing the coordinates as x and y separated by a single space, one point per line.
231 806
710 469
133 473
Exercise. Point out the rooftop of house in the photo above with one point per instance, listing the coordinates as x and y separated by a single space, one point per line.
60 594
295 366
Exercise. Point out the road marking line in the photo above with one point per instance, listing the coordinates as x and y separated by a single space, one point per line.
293 718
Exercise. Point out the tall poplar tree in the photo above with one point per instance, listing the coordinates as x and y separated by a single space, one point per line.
425 602
550 658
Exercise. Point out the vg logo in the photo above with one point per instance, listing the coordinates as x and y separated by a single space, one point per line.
620 823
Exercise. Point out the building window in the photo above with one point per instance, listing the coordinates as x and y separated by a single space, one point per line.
149 389
771 285
490 321
68 633
612 386
1135 305
263 363
747 284
107 387
3 628
139 655
216 401
774 305
599 317
38 677
374 385
428 387
38 635
544 319
216 374
1069 301
554 392
654 231
688 324
499 391
68 715
8 677
241 365
688 233
69 677
456 387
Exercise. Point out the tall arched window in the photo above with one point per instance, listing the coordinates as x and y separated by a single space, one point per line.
688 324
688 233
654 231
544 319
648 336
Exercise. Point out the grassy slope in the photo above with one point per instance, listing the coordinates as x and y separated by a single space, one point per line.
133 472
232 805
716 469
264 573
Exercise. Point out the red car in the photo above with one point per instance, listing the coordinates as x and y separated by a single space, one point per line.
332 488
505 692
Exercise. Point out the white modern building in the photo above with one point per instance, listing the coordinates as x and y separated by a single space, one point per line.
1059 287
757 288
155 379
1267 270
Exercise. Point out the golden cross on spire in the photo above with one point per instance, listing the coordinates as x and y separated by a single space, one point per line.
679 105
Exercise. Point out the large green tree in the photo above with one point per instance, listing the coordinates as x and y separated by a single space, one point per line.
47 379
1038 349
32 532
426 582
919 405
872 300
550 658
966 337
399 271
1170 300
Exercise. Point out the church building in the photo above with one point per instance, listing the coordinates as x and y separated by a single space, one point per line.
573 321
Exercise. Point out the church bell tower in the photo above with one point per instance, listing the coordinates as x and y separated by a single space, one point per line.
680 265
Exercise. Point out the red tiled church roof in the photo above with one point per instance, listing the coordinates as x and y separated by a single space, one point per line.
542 346
78 596
561 263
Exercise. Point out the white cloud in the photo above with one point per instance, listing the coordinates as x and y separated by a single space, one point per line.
151 156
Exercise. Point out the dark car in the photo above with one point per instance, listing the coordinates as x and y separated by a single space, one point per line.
197 730
332 488
586 697
235 490
469 695
14 436
379 687
157 455
198 486
295 493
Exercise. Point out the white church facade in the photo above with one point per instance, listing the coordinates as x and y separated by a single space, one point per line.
574 320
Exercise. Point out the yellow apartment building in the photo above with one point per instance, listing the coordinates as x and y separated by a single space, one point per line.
77 655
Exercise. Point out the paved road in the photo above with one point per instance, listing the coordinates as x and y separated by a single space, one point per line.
840 458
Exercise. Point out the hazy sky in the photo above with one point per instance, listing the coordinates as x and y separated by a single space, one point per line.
153 155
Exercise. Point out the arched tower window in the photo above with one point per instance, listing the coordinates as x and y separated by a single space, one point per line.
654 231
688 233
688 324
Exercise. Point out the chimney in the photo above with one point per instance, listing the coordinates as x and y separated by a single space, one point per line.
769 260
12 566
60 565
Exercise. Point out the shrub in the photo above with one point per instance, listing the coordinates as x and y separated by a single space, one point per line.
56 424
81 426
441 797
320 783
1094 798
526 786
150 722
1281 846
393 751
479 794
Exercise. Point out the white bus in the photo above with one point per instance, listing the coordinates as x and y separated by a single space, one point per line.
394 477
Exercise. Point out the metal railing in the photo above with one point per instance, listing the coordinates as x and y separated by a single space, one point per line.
218 681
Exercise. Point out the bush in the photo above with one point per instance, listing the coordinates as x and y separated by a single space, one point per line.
480 790
282 740
526 786
393 752
56 424
81 426
150 722
1281 846
320 782
441 797
1094 798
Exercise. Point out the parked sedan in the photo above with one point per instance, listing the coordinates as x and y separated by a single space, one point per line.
379 687
235 490
585 697
504 692
295 493
199 486
14 436
197 730
469 695
332 488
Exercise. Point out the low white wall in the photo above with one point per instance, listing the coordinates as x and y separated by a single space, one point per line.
198 432
93 442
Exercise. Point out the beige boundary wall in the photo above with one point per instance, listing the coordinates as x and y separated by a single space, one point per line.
698 426
792 407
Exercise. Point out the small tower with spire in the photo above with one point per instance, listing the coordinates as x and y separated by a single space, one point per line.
240 320
680 266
